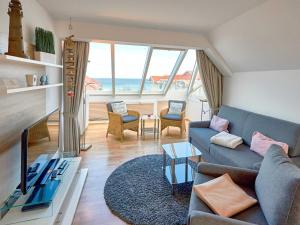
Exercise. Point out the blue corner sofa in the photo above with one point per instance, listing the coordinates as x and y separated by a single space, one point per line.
243 124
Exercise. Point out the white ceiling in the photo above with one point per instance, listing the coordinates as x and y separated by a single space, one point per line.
179 15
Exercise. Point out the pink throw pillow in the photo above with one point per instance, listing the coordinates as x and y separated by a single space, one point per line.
219 124
261 144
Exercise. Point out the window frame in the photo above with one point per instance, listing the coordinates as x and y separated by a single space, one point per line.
176 67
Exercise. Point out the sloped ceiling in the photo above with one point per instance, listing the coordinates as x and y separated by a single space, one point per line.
264 38
176 15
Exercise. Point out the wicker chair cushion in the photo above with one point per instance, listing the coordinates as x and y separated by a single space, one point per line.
128 118
171 117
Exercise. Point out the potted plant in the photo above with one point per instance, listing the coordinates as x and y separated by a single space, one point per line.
44 46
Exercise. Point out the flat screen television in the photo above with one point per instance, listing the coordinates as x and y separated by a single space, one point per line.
39 144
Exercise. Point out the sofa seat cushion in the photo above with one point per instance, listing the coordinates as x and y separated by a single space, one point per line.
202 136
252 215
129 118
241 156
172 117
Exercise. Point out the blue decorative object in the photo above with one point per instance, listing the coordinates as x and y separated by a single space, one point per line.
44 80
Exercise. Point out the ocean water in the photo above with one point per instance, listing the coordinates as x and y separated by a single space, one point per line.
127 85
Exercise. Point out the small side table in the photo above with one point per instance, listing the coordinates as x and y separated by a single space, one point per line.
154 129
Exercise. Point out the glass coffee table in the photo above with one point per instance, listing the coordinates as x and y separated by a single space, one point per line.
181 172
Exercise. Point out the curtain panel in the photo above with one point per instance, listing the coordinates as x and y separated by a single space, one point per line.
72 103
212 81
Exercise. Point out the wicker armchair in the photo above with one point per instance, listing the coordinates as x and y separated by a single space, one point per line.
118 123
174 120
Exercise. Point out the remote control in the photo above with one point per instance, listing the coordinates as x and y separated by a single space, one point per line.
54 174
63 164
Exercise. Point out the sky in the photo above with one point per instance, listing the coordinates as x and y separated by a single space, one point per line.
130 61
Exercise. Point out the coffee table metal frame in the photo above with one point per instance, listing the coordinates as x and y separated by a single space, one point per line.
177 151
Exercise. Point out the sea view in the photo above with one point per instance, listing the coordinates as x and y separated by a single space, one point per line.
123 84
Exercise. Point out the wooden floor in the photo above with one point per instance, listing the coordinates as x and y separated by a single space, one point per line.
105 156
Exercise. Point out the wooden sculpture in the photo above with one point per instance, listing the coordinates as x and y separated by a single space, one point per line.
69 66
15 40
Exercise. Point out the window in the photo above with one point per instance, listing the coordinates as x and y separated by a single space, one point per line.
184 75
99 69
129 67
161 65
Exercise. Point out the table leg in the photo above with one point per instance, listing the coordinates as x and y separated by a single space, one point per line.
158 128
186 169
173 175
164 162
154 129
143 128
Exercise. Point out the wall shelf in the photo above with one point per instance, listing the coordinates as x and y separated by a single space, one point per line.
23 89
27 61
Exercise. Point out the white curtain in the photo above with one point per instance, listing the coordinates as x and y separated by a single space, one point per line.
72 103
212 81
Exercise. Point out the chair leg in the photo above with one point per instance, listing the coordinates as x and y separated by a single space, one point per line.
106 133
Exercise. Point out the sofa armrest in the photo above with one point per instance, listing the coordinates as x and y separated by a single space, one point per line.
296 160
240 176
199 124
202 218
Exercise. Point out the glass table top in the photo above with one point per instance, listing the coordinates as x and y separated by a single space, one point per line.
181 150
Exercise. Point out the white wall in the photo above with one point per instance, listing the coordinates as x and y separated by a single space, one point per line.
264 38
15 115
274 93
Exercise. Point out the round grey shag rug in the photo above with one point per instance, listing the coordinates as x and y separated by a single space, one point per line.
138 193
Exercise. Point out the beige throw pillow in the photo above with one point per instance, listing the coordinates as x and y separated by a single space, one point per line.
120 108
175 108
223 196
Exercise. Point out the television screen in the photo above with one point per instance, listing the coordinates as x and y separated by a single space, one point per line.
40 143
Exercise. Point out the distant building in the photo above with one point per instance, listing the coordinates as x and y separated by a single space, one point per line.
180 80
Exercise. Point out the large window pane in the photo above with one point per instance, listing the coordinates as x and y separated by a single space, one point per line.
161 65
99 75
184 75
129 66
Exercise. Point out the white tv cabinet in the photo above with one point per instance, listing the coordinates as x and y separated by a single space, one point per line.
62 209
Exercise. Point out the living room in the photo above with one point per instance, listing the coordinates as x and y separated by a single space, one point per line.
149 112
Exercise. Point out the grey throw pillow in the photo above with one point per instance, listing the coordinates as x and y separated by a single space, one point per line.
120 108
277 188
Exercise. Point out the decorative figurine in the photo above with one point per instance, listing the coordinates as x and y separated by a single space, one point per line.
44 80
69 66
15 39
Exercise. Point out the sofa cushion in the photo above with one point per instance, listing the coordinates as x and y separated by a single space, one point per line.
202 136
172 116
129 118
251 215
276 129
236 118
277 188
241 156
